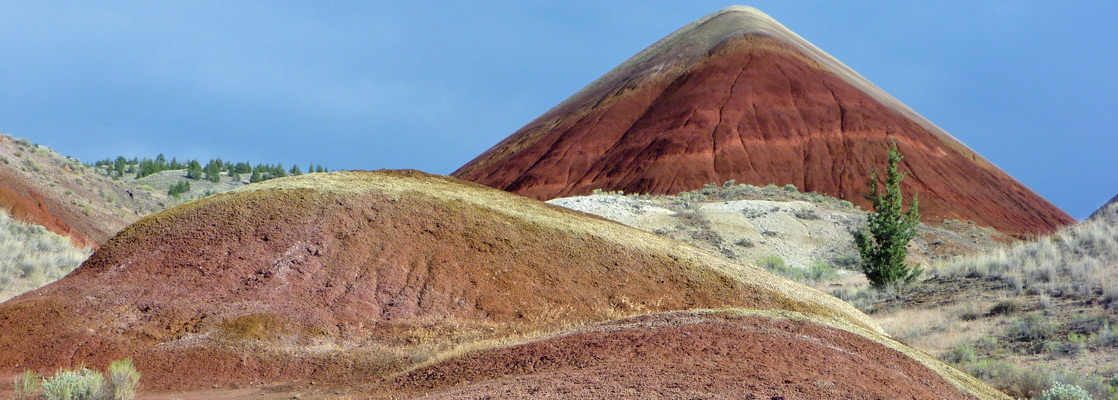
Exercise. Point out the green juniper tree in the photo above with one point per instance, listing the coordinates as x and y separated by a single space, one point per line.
194 170
213 170
889 228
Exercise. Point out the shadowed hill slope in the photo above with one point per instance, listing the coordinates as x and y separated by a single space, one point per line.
703 354
1110 209
361 274
736 95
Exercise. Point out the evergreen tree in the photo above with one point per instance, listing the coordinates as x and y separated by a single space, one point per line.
881 243
318 168
255 176
119 165
194 170
213 171
295 170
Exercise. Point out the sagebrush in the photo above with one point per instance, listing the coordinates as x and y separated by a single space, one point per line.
80 384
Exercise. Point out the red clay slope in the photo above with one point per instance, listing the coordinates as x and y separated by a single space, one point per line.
738 96
687 356
356 275
22 201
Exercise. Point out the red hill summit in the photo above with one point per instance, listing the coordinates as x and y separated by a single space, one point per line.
736 95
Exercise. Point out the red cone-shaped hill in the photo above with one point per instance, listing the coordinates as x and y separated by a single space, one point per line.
357 275
738 96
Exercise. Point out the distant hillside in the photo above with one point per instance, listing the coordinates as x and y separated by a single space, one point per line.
63 195
89 203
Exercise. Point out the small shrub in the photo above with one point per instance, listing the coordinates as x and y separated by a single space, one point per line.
743 242
846 261
1032 327
970 313
27 386
123 379
31 165
74 385
806 213
1109 293
1060 391
960 354
1008 377
1106 336
776 265
1004 307
81 384
820 271
1075 343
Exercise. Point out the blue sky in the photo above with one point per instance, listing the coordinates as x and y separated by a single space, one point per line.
1031 86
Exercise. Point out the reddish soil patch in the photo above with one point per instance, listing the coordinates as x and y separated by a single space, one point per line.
277 284
756 110
686 356
23 202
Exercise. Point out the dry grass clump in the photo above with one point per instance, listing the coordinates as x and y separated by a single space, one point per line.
31 256
1078 262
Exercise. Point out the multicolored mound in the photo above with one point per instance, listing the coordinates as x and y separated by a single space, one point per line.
704 354
735 95
358 275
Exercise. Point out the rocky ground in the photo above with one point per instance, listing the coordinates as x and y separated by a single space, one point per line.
801 232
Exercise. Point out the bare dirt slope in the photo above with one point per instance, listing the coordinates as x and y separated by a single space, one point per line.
687 355
351 276
738 96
